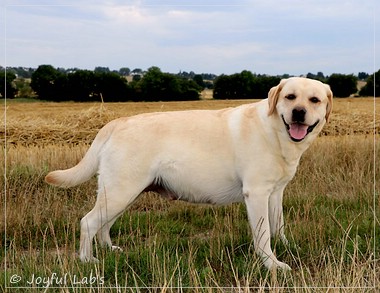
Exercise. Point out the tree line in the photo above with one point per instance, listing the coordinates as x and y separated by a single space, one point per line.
246 85
85 85
58 84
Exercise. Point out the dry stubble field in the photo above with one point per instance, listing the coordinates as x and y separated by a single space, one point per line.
330 209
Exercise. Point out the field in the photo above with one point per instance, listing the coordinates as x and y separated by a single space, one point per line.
331 211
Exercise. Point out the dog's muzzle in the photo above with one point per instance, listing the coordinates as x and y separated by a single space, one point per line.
298 131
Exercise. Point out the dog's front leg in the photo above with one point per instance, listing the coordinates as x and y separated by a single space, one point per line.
257 202
276 215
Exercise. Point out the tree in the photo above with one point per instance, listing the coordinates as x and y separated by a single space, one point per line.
152 84
124 71
262 85
111 86
199 80
81 86
223 87
100 69
235 86
6 84
189 90
136 77
23 88
44 82
363 75
137 71
372 87
20 71
244 85
319 76
158 86
342 85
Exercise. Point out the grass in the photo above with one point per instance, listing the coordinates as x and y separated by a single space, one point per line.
169 246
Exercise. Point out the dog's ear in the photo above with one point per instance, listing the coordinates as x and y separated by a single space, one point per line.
329 102
273 96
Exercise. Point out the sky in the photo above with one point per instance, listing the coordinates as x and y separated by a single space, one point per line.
204 36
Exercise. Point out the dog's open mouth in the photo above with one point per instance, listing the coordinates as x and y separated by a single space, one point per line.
298 131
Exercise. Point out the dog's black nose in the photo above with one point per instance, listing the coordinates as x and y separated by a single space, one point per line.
299 114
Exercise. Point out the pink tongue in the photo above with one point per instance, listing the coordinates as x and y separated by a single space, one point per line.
298 131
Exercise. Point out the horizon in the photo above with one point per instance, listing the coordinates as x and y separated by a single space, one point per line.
73 69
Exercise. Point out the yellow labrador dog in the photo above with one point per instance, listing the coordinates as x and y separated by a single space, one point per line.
243 154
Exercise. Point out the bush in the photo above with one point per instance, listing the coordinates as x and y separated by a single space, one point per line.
6 85
81 85
244 85
343 85
47 82
158 86
372 88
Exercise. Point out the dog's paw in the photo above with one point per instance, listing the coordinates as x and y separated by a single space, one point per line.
116 248
282 266
275 264
89 259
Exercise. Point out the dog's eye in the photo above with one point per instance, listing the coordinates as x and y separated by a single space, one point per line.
290 97
314 100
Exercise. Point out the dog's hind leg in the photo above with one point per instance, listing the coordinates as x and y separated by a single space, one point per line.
92 223
110 204
104 238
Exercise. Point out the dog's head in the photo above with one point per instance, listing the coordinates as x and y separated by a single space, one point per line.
303 105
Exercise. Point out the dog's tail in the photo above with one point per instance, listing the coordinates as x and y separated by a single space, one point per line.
87 167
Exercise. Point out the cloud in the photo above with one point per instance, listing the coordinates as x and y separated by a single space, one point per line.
204 36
